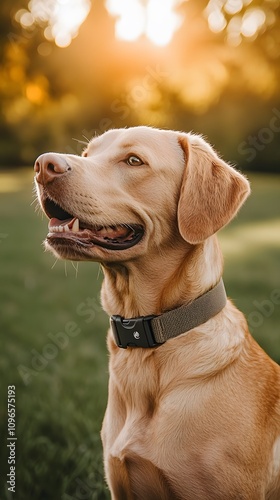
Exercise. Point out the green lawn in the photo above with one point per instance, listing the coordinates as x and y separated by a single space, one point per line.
53 333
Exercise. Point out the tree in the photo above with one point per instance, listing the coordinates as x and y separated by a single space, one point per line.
218 75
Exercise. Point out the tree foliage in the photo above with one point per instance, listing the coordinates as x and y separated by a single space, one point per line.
218 79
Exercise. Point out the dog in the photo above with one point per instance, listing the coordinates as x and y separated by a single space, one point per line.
193 408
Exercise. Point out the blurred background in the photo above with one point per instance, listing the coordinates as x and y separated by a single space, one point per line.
74 68
71 69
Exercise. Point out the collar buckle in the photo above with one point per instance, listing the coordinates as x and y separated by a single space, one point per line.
133 332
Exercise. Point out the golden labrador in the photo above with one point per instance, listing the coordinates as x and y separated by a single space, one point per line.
193 409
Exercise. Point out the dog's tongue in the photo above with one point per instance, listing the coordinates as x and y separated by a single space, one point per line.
113 232
73 225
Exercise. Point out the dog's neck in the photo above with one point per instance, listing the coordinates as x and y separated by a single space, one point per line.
164 281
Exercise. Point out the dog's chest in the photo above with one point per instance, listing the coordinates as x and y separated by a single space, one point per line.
133 398
136 377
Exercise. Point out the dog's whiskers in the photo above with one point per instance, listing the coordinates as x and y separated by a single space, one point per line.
34 201
54 264
38 210
80 142
128 226
76 267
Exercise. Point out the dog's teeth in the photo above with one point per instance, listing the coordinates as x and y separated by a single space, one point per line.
66 228
76 227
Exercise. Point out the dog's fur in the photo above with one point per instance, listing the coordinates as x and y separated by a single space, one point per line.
199 416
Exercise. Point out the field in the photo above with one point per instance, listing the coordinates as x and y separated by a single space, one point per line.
53 347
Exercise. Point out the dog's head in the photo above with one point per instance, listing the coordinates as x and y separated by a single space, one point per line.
133 189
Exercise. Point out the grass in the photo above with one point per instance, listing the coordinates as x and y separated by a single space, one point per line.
53 337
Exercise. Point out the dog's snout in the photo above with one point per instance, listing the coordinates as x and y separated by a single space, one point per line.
48 166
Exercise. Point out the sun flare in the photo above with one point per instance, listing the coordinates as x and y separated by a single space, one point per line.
63 18
244 20
155 19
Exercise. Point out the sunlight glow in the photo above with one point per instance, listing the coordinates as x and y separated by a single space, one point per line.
233 6
153 18
131 22
237 18
64 18
34 93
234 31
252 22
216 21
162 22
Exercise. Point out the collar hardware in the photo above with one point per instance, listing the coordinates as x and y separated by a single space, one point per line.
152 331
134 332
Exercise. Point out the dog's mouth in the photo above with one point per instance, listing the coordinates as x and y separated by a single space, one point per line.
66 228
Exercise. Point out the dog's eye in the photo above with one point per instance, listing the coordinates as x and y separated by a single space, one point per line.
134 161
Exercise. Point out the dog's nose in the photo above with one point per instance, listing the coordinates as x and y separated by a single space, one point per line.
49 166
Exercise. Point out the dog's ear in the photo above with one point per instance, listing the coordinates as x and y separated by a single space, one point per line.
211 191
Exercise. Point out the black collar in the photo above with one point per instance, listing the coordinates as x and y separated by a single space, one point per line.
151 331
